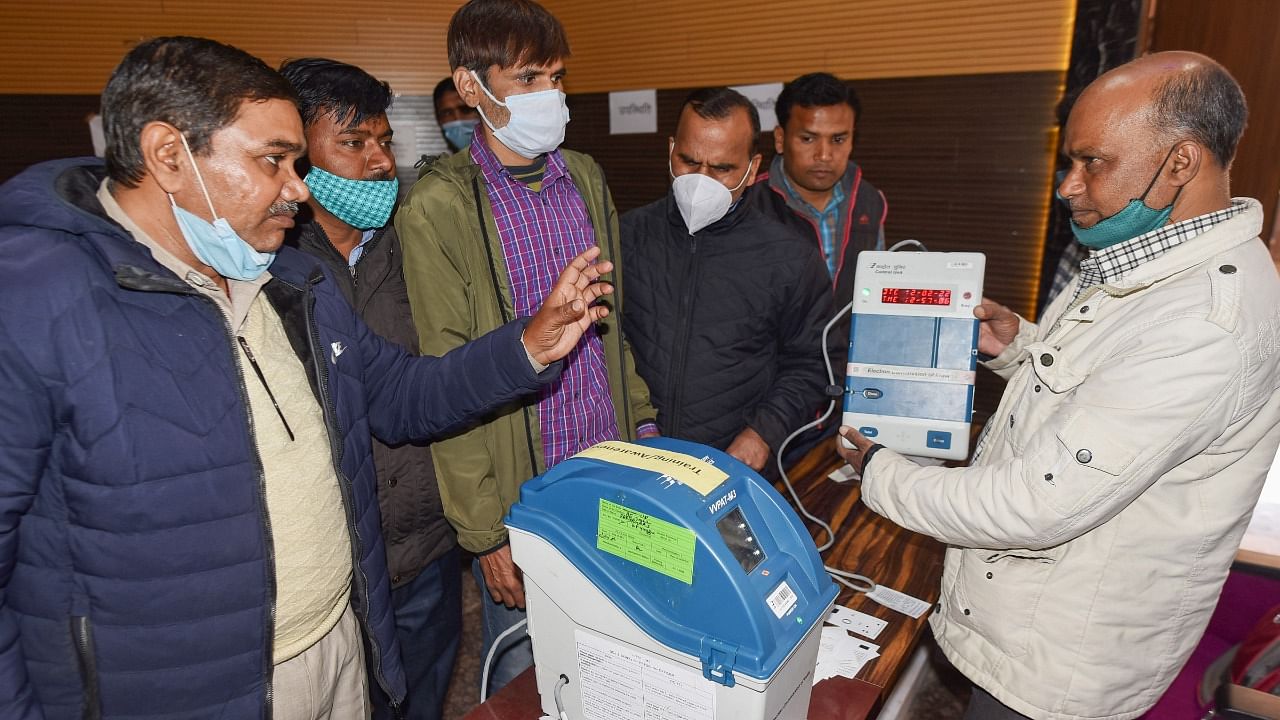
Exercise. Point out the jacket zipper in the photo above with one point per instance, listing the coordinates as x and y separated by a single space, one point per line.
615 254
685 329
335 451
80 632
267 683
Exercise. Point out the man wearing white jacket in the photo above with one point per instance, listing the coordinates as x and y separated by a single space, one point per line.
1090 536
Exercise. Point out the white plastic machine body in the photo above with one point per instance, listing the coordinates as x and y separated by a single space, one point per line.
913 350
653 599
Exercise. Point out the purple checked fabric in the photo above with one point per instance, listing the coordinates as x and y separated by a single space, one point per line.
540 233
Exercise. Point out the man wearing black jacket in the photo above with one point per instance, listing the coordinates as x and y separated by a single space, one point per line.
353 190
725 306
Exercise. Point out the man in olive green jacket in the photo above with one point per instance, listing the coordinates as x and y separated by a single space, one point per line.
480 231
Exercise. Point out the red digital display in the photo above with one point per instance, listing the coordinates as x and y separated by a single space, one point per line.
915 296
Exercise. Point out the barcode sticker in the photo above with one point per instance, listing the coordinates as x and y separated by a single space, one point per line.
782 599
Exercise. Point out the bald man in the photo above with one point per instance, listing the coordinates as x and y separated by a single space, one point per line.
1092 533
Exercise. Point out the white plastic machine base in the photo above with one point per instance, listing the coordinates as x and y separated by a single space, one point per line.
617 672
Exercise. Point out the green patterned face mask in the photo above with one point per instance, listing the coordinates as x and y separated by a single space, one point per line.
1133 220
362 204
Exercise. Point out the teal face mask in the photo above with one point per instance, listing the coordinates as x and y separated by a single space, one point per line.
1134 220
362 204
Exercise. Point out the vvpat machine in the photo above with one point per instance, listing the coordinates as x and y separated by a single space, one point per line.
665 579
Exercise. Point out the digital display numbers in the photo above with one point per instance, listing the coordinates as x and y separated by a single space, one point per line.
915 296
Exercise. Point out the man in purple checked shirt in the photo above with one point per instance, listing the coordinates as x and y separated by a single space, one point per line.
483 233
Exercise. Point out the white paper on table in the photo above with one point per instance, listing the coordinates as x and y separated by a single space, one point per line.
902 602
839 653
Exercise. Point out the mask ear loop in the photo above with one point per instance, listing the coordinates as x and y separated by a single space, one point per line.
489 95
744 176
1154 178
199 179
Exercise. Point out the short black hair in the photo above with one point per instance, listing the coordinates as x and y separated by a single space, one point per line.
444 86
505 33
329 87
1206 103
718 103
195 84
815 90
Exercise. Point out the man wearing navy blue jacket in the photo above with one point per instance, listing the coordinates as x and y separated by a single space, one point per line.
188 519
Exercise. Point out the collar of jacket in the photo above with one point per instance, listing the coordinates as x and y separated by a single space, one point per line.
1224 236
720 227
74 184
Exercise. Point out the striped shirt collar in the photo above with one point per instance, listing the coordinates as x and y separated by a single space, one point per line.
493 169
1110 264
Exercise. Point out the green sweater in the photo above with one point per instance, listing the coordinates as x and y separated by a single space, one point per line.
459 289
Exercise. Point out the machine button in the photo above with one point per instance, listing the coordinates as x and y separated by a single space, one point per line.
868 431
1046 359
872 394
938 439
1084 456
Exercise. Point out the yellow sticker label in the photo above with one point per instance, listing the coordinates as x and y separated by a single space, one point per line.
700 475
646 540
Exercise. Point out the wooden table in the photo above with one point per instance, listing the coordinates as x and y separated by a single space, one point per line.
866 544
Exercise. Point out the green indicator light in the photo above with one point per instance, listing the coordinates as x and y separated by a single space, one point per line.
866 292
799 620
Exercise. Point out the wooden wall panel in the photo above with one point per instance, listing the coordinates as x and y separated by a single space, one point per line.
964 161
71 46
1243 35
625 44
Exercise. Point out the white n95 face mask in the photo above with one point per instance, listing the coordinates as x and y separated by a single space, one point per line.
537 121
702 200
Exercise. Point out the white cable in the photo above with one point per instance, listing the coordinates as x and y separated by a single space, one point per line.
560 711
853 581
488 660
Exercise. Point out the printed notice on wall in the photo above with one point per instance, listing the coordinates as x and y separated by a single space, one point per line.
764 97
646 540
633 111
688 470
622 683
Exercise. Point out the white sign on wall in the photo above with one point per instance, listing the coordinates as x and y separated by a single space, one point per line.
764 96
633 111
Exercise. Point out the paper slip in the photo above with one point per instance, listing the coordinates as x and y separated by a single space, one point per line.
856 622
902 602
843 474
839 653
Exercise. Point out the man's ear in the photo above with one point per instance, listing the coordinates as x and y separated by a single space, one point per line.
778 134
468 89
1185 163
163 155
755 169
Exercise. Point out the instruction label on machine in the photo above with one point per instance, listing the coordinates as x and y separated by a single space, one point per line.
621 683
700 475
646 540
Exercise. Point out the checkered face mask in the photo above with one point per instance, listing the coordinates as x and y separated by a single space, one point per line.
362 204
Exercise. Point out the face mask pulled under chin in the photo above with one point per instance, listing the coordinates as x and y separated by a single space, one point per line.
702 200
217 244
536 123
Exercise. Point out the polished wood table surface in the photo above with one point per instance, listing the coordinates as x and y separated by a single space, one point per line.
866 544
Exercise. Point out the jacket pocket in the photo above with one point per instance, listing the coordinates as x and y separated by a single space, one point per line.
82 639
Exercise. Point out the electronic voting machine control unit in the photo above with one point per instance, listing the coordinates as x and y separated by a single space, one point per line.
913 350
665 579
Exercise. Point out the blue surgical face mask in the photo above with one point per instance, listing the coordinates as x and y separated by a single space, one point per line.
1134 220
216 244
362 204
459 132
536 124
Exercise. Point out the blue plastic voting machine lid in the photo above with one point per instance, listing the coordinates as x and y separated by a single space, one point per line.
692 545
